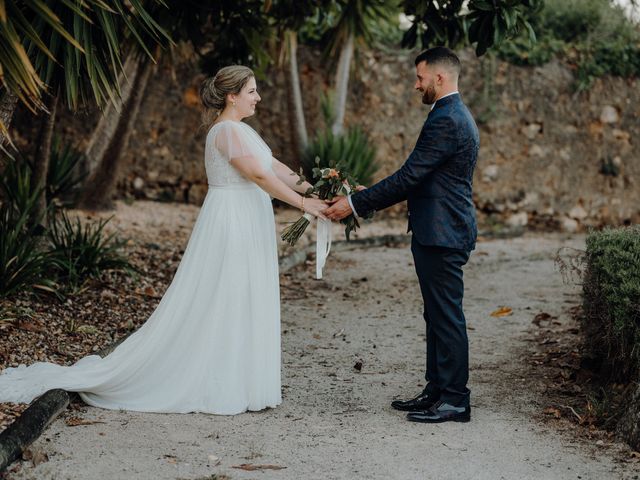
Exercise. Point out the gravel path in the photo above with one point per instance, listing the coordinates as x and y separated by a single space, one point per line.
336 422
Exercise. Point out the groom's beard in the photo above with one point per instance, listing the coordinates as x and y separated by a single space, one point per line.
429 95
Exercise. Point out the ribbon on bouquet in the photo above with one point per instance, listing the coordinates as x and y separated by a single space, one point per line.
323 242
323 239
323 245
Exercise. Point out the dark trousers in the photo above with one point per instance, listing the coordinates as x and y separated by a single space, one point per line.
439 271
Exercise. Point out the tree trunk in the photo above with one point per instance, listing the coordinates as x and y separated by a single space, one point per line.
42 155
8 104
106 127
342 85
30 425
300 127
102 182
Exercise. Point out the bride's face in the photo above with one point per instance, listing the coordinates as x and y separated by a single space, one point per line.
246 100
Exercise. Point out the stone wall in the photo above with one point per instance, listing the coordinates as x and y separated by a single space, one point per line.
548 155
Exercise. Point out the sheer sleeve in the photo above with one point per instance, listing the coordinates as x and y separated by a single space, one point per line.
236 139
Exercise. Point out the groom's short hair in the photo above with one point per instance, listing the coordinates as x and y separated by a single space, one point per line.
440 56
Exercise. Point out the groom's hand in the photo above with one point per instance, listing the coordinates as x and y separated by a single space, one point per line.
339 209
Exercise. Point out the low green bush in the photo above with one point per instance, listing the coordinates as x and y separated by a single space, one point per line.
23 263
46 251
594 36
64 177
611 302
81 251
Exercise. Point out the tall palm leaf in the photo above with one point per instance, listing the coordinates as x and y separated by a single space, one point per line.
39 39
85 70
238 35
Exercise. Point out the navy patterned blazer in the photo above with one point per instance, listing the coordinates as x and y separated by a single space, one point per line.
435 180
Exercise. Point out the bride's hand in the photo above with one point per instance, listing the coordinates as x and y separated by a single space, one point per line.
315 207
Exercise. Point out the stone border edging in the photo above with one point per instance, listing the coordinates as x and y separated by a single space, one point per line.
28 427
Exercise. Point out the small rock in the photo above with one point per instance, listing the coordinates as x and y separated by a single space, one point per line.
519 219
565 153
600 443
536 151
621 135
532 130
578 212
489 173
569 225
609 114
617 162
138 183
530 199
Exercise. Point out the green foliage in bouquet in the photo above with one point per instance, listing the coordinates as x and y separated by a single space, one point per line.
356 154
330 182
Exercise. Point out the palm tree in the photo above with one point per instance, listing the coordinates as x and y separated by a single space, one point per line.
241 28
19 79
290 16
78 69
83 78
355 25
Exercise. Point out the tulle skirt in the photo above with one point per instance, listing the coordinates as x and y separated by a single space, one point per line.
213 343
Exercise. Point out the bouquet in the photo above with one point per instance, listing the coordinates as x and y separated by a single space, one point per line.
329 183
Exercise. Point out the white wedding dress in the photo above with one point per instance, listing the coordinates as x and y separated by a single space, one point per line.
213 343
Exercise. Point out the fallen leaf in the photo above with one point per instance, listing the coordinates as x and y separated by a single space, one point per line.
150 291
552 411
36 456
30 327
89 329
252 468
541 317
502 312
76 421
339 334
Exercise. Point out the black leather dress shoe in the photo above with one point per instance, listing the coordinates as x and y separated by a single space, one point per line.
420 403
441 412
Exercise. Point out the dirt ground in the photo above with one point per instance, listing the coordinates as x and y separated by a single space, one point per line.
335 421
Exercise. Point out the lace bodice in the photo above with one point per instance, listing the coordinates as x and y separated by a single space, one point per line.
229 139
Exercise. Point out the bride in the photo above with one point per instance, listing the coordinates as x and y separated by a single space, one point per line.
213 343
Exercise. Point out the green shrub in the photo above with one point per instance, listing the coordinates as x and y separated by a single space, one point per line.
63 178
35 254
82 251
352 151
23 263
16 187
612 301
593 35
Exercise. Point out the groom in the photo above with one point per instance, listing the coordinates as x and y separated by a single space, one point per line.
436 182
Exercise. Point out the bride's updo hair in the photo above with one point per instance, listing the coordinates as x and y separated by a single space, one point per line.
214 90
